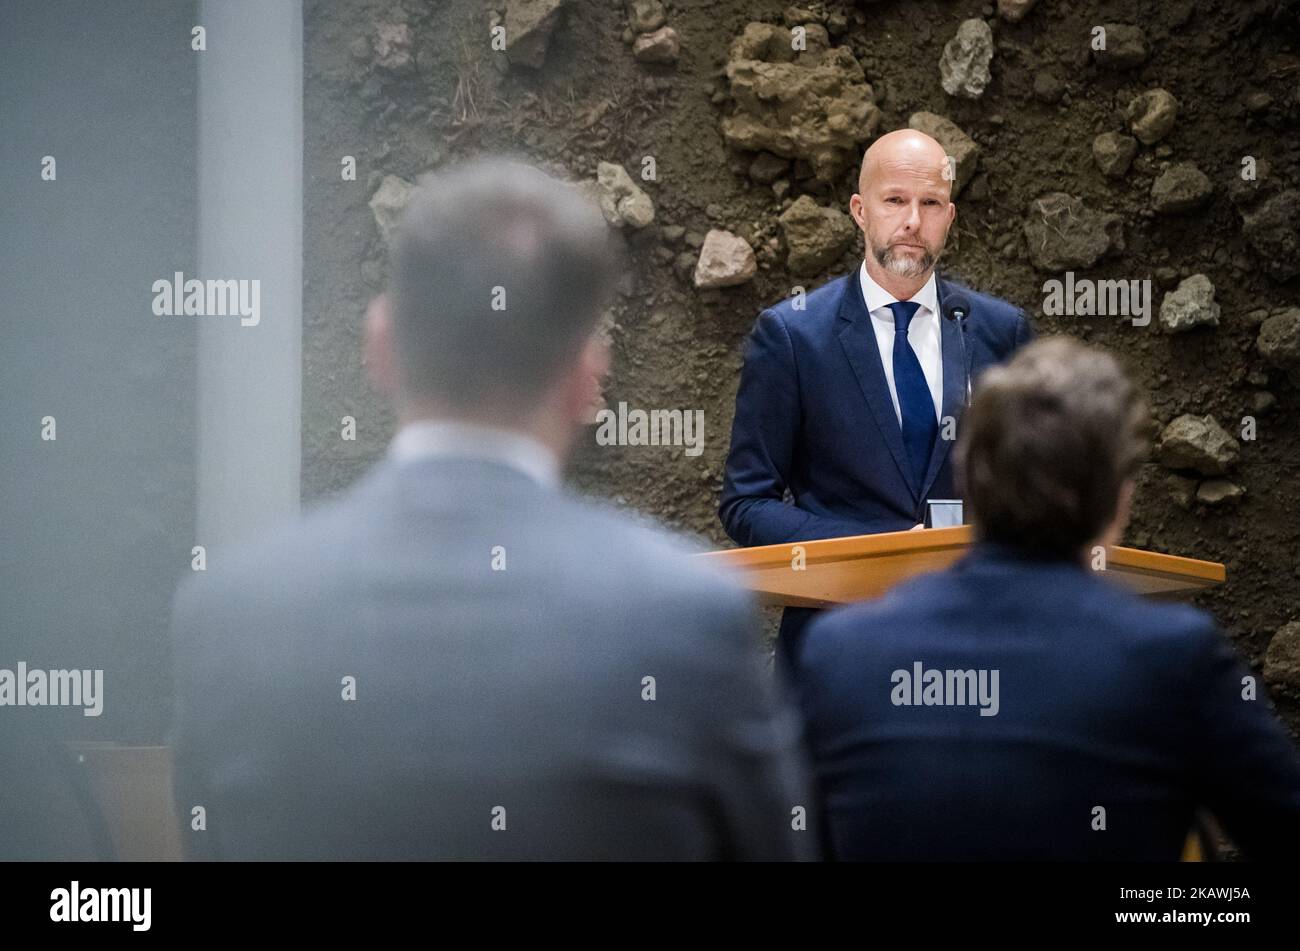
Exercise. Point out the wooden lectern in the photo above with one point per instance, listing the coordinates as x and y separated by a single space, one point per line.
858 567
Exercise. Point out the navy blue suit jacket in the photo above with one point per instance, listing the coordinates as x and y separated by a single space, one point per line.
1105 699
814 417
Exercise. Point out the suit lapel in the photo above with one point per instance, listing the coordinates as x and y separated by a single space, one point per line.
954 389
858 339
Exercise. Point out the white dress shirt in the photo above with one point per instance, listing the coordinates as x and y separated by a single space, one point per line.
923 333
445 438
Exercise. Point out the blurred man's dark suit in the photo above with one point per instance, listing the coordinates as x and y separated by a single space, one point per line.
1106 699
815 419
481 694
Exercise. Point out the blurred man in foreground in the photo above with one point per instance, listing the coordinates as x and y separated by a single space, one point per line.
456 659
1019 705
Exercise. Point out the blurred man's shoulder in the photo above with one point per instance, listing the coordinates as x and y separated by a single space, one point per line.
650 554
1101 603
1156 633
281 559
1157 624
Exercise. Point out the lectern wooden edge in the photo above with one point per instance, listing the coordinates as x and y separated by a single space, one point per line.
831 571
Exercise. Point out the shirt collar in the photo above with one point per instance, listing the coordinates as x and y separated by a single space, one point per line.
877 297
430 438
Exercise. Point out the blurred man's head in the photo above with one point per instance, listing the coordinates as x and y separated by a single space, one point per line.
499 274
1050 447
903 207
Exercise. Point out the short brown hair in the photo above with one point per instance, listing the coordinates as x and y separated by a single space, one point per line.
489 230
1046 444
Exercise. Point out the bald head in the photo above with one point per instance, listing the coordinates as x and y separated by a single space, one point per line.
904 208
904 151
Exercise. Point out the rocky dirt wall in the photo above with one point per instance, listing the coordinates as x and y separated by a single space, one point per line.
724 138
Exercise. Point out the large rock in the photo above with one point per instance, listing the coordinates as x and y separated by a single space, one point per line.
387 204
1279 342
1198 443
1126 47
814 104
1282 659
660 46
964 65
621 200
816 236
956 143
1189 305
1151 115
528 30
1180 187
725 260
1273 230
1064 234
1114 152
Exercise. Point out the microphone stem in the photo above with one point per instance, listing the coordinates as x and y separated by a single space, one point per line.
965 359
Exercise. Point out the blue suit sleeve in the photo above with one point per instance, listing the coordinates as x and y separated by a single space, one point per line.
1244 763
764 433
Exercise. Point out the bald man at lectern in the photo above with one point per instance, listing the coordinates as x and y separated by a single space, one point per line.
850 398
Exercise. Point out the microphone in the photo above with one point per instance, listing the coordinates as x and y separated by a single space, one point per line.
955 308
944 513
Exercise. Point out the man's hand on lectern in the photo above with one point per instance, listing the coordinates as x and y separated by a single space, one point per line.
915 527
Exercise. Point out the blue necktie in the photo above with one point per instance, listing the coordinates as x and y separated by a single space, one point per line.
914 400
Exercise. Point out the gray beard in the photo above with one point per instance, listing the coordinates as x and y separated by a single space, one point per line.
905 266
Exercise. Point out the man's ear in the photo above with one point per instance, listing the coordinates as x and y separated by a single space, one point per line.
379 356
855 210
1124 510
589 389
